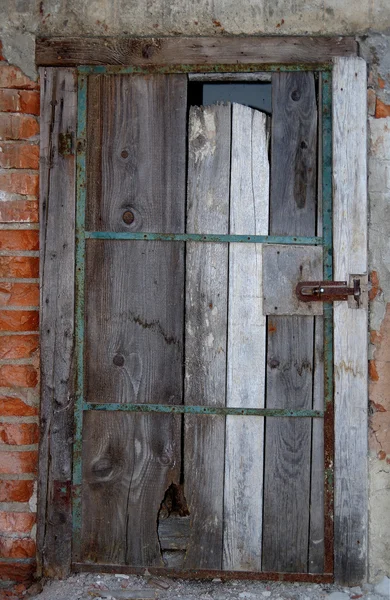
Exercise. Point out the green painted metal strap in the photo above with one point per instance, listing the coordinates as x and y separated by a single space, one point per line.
327 230
200 237
203 410
202 68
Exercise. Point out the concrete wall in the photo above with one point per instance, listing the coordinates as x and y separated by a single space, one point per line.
369 21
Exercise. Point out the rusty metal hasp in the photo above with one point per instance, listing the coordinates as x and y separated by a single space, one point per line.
333 291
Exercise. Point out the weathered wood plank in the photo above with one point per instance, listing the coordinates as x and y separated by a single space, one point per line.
290 339
294 154
174 533
317 512
129 460
249 202
206 328
134 308
350 333
57 235
316 534
193 51
284 267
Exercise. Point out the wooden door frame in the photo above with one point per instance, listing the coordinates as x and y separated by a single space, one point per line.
58 229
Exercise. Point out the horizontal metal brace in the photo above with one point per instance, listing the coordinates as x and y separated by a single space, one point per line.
203 410
200 237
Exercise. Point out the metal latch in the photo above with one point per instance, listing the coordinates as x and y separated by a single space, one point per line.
355 292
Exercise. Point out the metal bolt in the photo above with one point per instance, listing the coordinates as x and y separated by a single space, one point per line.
124 154
128 217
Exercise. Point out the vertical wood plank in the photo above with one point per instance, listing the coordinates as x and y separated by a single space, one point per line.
316 534
290 339
350 326
206 326
249 202
134 313
317 515
57 235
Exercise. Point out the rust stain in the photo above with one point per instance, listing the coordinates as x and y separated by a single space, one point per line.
372 371
381 83
378 407
379 390
375 288
271 327
382 110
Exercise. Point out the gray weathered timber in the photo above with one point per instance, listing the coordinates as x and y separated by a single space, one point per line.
129 460
290 339
140 164
316 532
174 532
287 445
294 154
134 315
284 267
317 513
249 202
350 334
206 328
187 51
57 243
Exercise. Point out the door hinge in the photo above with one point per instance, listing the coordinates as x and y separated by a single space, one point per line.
355 291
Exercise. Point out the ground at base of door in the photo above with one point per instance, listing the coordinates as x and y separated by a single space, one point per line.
89 586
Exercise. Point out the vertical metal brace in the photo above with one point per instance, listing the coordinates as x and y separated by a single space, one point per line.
79 326
327 224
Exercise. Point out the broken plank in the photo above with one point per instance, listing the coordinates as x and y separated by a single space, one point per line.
249 201
290 339
206 328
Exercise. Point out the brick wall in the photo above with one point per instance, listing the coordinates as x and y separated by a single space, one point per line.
19 299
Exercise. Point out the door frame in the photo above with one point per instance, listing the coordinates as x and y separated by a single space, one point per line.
65 64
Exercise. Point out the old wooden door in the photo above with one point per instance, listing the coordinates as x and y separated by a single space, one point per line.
204 435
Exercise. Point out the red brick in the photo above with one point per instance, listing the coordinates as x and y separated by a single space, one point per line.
19 434
24 101
17 548
19 239
29 102
15 407
19 156
1 51
18 376
17 571
19 294
16 491
19 320
19 211
16 522
18 346
19 266
20 182
13 78
17 127
15 463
